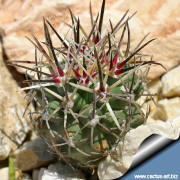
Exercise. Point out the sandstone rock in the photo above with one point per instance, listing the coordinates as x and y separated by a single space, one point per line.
33 154
35 174
48 175
171 83
161 18
155 86
4 173
5 148
176 120
150 120
66 170
167 108
13 128
61 172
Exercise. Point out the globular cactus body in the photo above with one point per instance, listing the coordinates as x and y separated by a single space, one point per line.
88 97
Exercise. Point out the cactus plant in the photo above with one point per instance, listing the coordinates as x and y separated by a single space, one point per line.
87 89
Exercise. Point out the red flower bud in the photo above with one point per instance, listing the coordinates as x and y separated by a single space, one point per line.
114 61
55 78
96 39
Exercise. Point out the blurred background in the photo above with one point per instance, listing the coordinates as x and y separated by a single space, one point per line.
19 18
